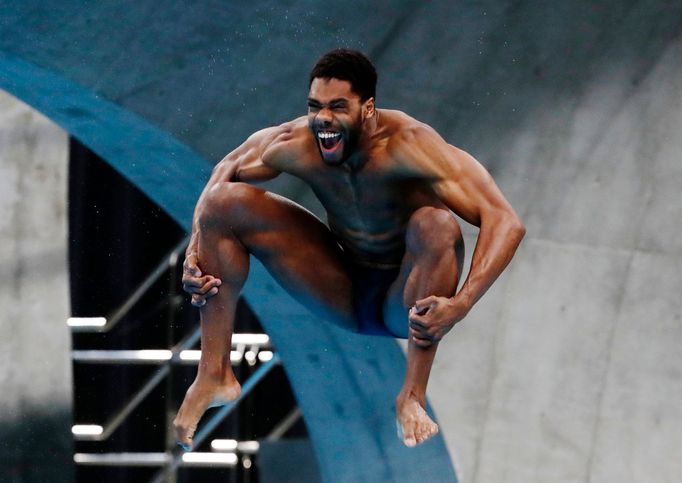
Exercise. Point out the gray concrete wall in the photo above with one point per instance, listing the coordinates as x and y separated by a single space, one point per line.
35 367
570 368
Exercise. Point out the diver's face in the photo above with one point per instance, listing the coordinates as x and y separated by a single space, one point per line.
335 117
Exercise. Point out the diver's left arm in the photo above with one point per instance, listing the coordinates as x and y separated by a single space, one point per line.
465 187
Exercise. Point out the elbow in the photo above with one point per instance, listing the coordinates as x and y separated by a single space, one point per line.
508 224
517 229
513 226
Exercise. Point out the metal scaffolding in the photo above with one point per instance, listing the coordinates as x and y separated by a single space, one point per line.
248 348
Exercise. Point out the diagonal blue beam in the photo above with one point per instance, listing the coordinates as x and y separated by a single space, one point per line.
345 383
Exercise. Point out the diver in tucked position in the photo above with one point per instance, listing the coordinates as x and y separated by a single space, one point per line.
389 260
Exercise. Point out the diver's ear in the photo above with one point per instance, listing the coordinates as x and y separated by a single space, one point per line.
368 108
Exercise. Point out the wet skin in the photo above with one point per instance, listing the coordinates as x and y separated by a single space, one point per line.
389 185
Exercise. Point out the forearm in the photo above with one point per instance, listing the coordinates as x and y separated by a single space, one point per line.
497 242
193 245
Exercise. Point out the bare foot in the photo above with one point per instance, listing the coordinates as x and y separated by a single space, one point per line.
414 425
201 395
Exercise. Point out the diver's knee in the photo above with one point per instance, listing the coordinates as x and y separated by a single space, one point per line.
432 229
227 202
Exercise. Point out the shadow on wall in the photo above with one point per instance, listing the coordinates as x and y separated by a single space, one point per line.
36 436
511 65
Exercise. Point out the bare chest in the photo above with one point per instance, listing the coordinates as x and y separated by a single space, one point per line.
374 199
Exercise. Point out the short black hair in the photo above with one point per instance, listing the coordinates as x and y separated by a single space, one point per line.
349 65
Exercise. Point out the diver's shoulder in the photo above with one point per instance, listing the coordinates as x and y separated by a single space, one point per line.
294 127
290 140
403 129
399 120
401 126
290 133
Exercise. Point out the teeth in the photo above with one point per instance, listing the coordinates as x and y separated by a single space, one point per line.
327 135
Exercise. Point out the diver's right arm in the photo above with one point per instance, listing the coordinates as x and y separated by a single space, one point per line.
244 164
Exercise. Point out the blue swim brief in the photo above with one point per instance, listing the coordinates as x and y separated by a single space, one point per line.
370 288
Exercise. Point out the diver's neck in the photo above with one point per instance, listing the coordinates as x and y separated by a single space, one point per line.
366 140
369 128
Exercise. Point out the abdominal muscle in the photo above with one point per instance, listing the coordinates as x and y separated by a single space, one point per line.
374 234
379 249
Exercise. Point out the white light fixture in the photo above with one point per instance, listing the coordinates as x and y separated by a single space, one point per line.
224 444
250 339
190 355
265 356
228 459
121 459
86 321
154 355
87 430
248 447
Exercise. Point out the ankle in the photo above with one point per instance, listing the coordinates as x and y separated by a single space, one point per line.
216 373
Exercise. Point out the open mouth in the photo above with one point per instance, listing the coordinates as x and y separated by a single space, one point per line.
330 141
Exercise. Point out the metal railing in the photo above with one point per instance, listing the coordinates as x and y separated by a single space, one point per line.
249 348
178 354
231 448
105 324
178 456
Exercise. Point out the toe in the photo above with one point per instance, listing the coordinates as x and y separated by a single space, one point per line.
409 436
406 432
422 434
183 435
430 430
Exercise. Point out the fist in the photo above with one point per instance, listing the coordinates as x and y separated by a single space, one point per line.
200 287
433 317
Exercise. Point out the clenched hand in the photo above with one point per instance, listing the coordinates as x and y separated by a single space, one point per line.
199 287
433 317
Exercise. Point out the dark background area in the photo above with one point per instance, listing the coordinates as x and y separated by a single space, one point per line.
117 237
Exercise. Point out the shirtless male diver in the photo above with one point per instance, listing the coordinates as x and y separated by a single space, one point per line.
389 260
